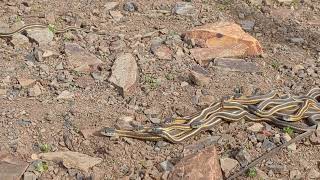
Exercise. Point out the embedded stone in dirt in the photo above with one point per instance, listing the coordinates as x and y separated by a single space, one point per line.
65 95
238 65
256 127
11 168
162 52
116 15
35 90
125 74
315 137
80 59
243 157
185 9
222 39
110 5
24 82
228 165
204 165
199 76
71 159
19 41
42 36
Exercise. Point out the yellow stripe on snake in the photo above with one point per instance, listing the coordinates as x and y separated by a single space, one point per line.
274 108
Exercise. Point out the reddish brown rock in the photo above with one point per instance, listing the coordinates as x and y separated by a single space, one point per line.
162 52
203 165
222 39
80 59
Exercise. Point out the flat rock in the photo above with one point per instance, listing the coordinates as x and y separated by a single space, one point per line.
185 9
237 65
25 82
80 59
29 176
166 166
72 159
222 39
116 15
35 90
11 168
201 144
125 74
65 95
3 92
256 127
199 76
203 165
163 52
42 36
111 5
19 41
228 165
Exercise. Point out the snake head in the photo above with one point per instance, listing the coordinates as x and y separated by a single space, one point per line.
108 131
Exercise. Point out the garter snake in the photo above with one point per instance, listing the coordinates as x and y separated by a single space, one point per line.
31 26
274 108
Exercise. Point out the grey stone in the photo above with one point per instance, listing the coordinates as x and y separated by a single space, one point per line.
42 36
35 90
256 2
125 74
29 176
130 6
243 157
277 168
24 122
296 40
247 25
238 65
184 8
228 165
166 166
155 120
267 145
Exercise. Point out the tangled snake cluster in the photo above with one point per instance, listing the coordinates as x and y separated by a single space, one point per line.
275 108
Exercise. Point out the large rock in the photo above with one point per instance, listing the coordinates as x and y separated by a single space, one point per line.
125 74
80 59
11 168
203 165
222 39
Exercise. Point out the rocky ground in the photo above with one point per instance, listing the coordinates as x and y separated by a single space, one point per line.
52 97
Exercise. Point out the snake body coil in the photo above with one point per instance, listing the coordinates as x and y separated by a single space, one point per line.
274 108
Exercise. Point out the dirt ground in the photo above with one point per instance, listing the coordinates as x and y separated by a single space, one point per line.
288 33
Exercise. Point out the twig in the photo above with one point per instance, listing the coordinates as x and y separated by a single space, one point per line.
272 152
